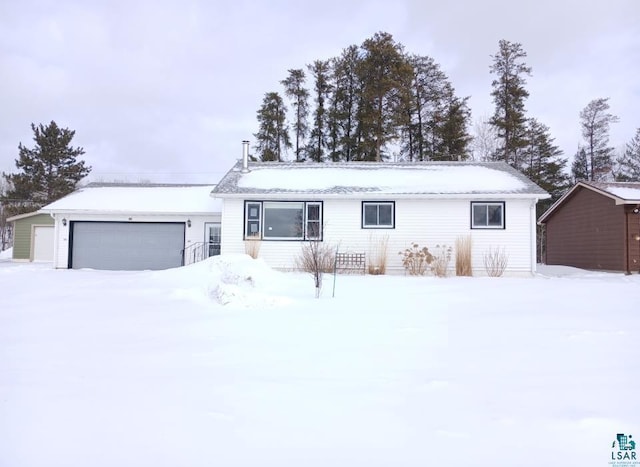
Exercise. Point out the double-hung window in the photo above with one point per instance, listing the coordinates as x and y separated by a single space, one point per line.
283 220
487 215
378 214
253 217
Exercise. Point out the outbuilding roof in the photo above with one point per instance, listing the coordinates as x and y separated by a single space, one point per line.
372 179
24 216
138 198
620 192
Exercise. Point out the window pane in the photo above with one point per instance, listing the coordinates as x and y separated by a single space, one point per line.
479 215
313 212
385 214
495 215
283 220
254 228
253 211
214 234
313 229
370 214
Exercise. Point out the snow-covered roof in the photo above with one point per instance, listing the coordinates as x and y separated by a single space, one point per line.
620 192
371 179
139 198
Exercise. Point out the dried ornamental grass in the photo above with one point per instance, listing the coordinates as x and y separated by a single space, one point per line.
464 266
378 247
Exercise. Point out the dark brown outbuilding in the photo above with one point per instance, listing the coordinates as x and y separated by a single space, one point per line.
595 225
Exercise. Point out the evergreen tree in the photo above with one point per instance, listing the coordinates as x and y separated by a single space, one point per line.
384 72
294 89
47 172
320 71
345 105
272 138
594 122
543 162
628 165
580 166
450 125
426 91
509 95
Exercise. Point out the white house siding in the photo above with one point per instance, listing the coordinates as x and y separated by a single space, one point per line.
193 234
427 222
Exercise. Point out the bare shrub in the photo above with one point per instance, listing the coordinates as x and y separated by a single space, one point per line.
415 259
252 246
495 262
378 254
464 266
316 258
441 259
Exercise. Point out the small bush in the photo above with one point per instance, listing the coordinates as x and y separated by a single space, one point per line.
378 254
495 262
252 246
415 259
441 259
463 256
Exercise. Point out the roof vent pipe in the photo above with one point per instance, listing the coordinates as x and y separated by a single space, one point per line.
245 156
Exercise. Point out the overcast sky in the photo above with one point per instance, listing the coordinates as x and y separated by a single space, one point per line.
165 90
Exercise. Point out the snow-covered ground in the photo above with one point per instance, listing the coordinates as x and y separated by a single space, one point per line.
228 363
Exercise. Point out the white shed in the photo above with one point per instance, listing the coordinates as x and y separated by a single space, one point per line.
352 206
135 226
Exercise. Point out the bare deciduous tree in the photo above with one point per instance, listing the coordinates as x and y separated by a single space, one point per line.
316 258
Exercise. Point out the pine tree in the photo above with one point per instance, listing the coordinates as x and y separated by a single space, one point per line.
450 128
320 71
345 105
594 122
628 165
272 138
426 91
384 72
47 172
509 95
580 166
543 162
294 89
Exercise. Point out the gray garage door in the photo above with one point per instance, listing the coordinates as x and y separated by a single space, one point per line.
126 246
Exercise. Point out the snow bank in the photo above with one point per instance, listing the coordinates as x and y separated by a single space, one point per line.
237 280
6 254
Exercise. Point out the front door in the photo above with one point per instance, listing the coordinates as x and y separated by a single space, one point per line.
212 238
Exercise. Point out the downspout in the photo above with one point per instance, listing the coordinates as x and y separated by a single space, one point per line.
532 234
626 240
55 240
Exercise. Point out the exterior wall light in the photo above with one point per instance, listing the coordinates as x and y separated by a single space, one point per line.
188 222
64 222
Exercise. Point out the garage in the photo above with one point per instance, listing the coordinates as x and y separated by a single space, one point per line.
126 246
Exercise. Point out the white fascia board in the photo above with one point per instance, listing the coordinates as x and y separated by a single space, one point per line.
378 196
125 213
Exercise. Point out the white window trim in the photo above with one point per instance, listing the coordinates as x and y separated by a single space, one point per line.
364 225
247 235
261 222
502 205
306 220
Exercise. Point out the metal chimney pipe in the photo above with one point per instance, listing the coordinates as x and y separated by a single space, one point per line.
245 156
